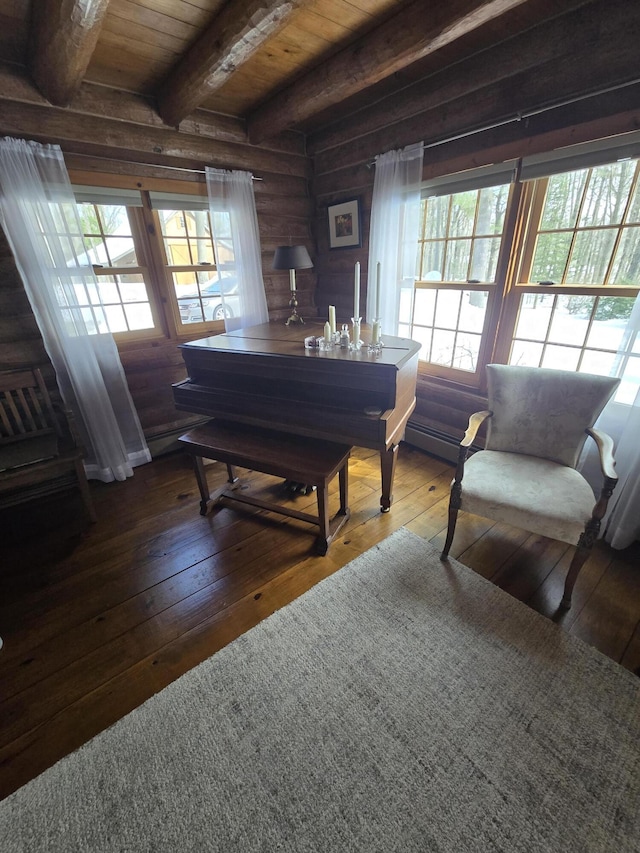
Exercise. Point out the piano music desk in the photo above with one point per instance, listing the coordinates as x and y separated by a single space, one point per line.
291 457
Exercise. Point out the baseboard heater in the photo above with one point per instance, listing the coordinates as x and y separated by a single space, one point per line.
435 442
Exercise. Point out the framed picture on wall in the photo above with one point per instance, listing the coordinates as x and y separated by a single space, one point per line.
344 224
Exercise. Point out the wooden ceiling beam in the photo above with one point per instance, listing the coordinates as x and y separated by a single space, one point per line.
524 51
407 37
230 40
63 37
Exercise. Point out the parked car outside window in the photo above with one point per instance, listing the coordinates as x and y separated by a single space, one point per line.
216 299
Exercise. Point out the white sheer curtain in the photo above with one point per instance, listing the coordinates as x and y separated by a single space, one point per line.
40 218
621 420
393 239
233 191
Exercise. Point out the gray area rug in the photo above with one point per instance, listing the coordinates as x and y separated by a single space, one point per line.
402 704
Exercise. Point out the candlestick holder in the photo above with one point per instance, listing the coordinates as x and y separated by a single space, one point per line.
375 347
356 343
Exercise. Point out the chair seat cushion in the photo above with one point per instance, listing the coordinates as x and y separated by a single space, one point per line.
15 454
538 495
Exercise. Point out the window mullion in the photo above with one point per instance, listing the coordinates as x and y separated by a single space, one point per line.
503 310
145 232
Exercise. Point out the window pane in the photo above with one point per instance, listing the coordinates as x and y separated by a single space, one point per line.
602 363
626 266
178 252
108 235
222 224
466 352
425 305
485 259
560 358
590 257
115 318
205 296
457 260
423 337
442 348
550 258
138 316
436 211
463 212
534 316
492 206
433 261
132 288
570 322
473 310
607 193
610 321
633 214
187 236
562 200
108 290
447 308
173 223
525 354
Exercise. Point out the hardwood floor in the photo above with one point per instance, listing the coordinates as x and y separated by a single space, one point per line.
97 619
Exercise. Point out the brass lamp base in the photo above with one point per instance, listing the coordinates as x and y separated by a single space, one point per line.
295 317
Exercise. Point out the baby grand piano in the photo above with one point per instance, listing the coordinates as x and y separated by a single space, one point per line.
264 376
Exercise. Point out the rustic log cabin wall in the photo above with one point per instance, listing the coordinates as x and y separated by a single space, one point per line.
475 113
144 154
295 92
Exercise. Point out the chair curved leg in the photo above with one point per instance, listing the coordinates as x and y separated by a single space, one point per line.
455 502
578 561
583 549
587 538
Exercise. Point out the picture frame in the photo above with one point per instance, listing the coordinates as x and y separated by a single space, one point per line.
345 226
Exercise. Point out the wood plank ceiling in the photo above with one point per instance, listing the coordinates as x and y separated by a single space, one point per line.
276 64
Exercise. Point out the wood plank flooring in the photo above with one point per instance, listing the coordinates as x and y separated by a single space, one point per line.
96 619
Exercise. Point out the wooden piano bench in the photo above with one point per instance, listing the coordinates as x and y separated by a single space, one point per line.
292 457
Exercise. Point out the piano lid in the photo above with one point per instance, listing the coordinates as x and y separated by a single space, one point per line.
280 341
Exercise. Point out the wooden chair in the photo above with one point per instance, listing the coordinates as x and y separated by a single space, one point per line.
538 422
39 450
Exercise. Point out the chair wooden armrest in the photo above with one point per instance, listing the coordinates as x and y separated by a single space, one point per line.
605 452
475 422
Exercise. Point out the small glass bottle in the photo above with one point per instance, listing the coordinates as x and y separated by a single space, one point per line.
345 338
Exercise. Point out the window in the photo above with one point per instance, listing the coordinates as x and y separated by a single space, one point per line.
459 254
198 253
162 263
542 273
121 301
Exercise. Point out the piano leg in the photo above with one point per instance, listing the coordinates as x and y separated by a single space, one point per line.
387 469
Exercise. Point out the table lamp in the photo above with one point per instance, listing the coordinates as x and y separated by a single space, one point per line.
292 258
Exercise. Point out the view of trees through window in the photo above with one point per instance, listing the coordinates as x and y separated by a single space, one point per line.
575 275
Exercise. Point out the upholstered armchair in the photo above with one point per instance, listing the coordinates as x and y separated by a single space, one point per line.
537 423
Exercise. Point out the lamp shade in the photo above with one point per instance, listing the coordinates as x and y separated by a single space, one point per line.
291 258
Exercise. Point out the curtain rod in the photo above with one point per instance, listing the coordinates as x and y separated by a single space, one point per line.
523 115
151 165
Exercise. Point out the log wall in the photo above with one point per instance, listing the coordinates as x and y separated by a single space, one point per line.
473 114
143 151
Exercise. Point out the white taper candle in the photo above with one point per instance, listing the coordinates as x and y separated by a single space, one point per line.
356 292
332 318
